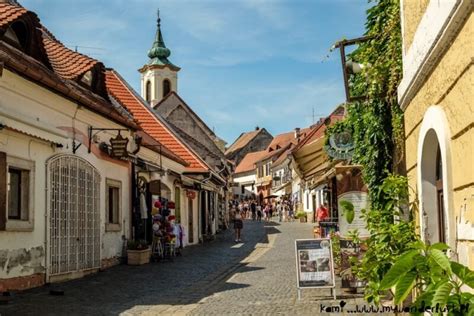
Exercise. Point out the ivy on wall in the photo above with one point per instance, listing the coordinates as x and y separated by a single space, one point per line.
376 124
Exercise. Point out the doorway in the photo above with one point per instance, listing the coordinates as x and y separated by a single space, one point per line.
432 193
74 217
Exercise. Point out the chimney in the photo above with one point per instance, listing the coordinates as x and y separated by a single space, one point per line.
297 133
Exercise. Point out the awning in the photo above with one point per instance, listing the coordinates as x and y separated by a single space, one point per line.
311 157
323 178
32 127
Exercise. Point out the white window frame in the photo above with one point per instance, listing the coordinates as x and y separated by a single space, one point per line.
19 224
113 227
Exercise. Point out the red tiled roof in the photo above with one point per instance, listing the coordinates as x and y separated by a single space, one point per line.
242 141
9 13
284 139
319 129
149 122
248 163
66 63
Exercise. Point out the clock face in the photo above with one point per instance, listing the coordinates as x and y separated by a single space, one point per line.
141 184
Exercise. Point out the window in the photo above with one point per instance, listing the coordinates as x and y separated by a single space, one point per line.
18 186
148 91
18 190
113 207
87 78
242 189
166 87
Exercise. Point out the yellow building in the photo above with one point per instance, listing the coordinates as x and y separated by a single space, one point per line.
437 97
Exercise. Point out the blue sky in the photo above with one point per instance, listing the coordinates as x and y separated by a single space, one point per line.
244 63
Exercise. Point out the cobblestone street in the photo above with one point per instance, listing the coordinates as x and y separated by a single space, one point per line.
255 277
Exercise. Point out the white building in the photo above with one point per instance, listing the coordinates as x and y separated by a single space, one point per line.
245 176
64 198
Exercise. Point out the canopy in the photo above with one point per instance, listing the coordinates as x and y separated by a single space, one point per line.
311 158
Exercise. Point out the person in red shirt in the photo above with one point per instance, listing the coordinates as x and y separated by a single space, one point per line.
322 212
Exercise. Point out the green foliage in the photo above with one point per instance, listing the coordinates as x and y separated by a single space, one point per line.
348 209
429 270
300 214
336 248
376 123
391 230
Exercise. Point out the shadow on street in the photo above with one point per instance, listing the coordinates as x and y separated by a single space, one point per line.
201 271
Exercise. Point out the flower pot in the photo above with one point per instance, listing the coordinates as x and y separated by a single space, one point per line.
138 257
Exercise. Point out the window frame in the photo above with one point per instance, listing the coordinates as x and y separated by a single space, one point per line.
166 84
113 227
26 221
148 91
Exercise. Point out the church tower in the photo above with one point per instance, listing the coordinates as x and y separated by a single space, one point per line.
159 76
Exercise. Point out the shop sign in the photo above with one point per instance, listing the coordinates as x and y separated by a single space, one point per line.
119 146
341 146
155 187
191 194
314 264
360 201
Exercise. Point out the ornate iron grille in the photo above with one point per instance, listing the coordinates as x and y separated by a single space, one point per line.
74 215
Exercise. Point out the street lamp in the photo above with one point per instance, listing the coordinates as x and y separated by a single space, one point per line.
349 66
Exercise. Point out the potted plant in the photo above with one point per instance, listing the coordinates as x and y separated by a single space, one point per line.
301 215
138 252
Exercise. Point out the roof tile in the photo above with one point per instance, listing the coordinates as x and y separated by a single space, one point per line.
9 13
66 63
149 122
248 163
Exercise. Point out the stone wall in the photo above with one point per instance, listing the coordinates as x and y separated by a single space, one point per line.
258 143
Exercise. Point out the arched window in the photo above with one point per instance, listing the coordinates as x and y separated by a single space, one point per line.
148 91
166 87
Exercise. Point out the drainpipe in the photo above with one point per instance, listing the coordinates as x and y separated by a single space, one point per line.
46 252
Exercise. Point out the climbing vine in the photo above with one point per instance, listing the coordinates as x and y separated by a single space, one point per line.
376 124
396 258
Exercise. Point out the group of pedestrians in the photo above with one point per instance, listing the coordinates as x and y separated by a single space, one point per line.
255 211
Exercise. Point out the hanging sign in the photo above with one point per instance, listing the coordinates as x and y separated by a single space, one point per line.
155 187
119 146
359 200
314 264
341 146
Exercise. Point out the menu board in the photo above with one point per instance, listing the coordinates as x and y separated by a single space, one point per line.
360 201
314 263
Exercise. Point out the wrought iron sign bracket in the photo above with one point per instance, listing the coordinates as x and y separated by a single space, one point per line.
76 147
98 130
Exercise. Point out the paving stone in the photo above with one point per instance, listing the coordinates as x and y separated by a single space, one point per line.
256 277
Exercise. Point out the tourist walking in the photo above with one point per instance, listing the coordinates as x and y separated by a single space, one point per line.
259 212
253 209
238 226
279 210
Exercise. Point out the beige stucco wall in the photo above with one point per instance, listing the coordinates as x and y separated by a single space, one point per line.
412 13
451 87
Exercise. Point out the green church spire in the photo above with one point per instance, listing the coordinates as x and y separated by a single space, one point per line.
159 53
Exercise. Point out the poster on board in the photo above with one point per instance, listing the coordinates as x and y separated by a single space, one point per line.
360 201
314 263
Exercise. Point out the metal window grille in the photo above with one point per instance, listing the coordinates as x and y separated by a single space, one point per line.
74 216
